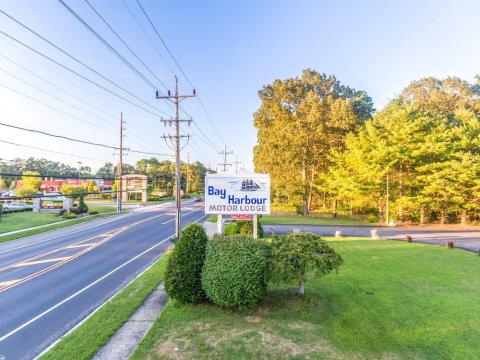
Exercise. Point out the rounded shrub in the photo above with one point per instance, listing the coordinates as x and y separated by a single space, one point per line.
184 270
298 257
235 270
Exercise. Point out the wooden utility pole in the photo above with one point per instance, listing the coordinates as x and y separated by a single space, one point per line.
175 140
120 168
236 162
225 153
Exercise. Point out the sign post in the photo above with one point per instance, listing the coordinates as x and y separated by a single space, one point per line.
243 196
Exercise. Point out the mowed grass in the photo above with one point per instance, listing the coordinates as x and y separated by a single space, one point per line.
290 218
27 219
390 300
293 219
88 338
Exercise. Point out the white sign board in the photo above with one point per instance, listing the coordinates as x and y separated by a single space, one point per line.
244 193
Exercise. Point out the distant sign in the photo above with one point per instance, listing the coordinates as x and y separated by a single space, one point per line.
241 217
51 204
237 194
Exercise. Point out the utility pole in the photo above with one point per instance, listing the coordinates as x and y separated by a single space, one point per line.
225 153
175 141
236 162
120 168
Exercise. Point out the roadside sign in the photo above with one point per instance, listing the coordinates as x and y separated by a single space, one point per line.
241 217
237 194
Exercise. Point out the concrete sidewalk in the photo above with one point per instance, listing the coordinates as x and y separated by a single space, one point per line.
126 339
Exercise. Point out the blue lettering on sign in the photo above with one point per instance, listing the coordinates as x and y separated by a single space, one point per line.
213 191
232 199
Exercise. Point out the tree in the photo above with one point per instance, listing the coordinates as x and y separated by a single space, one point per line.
299 121
297 257
30 183
106 171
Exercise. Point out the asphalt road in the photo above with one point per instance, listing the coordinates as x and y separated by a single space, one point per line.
51 281
465 239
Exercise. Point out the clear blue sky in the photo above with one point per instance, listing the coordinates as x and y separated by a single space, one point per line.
229 50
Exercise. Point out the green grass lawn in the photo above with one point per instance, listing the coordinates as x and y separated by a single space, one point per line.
289 218
102 208
23 220
88 338
390 300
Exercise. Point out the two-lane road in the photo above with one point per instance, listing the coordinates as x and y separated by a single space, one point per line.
50 282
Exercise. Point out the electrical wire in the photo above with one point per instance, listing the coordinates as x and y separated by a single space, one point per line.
78 61
51 151
109 47
57 87
52 107
79 141
180 68
126 45
59 99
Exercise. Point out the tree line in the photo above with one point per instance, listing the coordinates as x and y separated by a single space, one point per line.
161 174
416 160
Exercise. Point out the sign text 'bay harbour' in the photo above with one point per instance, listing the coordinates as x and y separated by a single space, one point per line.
244 193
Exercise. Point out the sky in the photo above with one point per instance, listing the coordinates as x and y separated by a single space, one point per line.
226 50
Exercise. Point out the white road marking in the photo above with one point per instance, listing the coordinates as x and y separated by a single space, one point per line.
39 316
59 236
6 336
70 233
42 261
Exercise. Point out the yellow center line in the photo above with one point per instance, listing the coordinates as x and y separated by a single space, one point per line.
42 261
61 261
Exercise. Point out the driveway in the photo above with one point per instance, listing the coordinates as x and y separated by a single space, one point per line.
468 239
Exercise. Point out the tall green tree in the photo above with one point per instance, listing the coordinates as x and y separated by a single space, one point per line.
299 121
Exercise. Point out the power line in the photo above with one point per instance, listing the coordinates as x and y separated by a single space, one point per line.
51 151
59 99
148 37
81 63
53 107
79 141
180 68
109 47
163 42
55 86
124 43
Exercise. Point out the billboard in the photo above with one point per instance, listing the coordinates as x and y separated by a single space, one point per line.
237 194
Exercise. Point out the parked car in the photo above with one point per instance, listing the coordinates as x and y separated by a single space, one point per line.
198 199
11 207
22 205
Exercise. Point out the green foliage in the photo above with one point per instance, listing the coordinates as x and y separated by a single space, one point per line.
243 227
230 229
82 207
299 122
235 270
70 216
184 271
94 212
296 257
